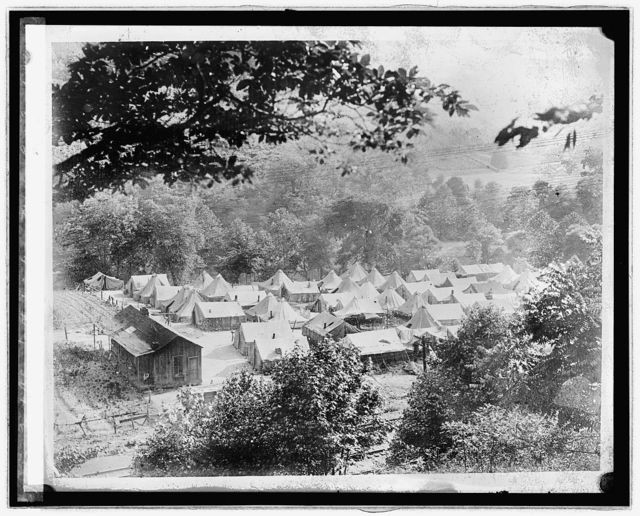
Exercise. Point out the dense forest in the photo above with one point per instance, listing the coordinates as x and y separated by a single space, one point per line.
302 216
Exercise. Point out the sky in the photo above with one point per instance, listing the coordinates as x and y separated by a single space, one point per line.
504 71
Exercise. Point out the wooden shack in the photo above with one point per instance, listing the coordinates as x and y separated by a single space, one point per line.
152 355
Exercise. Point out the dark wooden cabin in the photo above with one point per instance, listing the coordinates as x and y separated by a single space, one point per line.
152 355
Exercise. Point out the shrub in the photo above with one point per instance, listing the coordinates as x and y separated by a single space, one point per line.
315 416
499 439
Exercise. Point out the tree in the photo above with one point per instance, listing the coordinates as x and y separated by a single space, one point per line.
544 245
515 439
418 244
245 250
183 109
325 411
369 231
151 229
487 236
314 417
420 433
285 237
439 211
565 317
96 235
518 209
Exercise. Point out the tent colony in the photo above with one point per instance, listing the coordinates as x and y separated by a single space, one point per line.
459 284
245 298
275 283
431 275
183 312
218 316
361 311
411 305
286 313
202 281
435 295
367 291
450 314
245 337
375 278
355 272
348 286
393 281
416 287
264 310
176 300
217 289
156 280
135 284
506 277
100 281
381 346
420 320
488 288
152 354
162 294
481 271
330 282
466 301
267 351
390 300
301 292
324 325
329 302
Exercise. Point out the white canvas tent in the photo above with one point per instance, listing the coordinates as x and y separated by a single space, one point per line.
202 281
355 272
162 294
275 283
330 282
156 280
375 278
390 300
217 289
367 291
100 281
394 280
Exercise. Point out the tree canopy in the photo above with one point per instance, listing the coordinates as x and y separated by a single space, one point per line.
184 109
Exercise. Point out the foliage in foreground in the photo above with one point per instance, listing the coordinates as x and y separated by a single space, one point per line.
489 400
313 416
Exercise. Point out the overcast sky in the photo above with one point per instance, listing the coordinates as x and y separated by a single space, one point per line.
505 72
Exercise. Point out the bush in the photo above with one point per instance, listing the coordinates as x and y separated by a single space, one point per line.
315 416
498 439
68 457
420 434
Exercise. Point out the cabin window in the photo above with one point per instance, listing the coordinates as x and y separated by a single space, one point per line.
178 365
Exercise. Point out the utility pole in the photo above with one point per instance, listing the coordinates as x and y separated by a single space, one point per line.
94 335
424 353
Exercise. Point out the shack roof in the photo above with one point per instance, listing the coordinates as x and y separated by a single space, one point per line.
253 330
219 309
376 342
324 323
268 348
140 334
446 312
